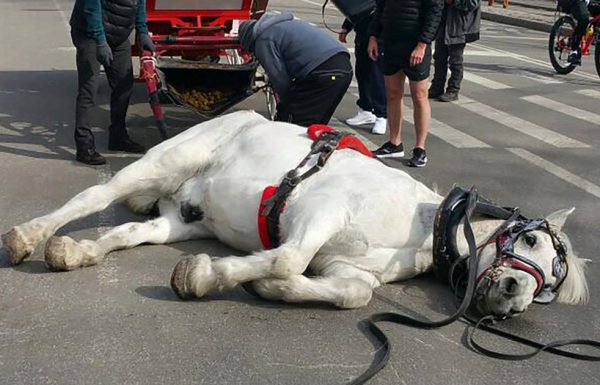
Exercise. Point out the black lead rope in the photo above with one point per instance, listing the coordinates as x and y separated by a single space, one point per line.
386 347
550 347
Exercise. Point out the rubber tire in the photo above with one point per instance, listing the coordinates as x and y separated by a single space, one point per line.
597 53
551 41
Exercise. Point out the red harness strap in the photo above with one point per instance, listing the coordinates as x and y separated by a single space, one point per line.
314 131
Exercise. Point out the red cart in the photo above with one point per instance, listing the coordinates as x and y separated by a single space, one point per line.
199 62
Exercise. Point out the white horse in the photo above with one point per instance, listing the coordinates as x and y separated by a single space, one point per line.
357 224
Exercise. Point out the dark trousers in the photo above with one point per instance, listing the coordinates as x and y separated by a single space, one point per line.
120 79
314 98
371 86
447 56
580 12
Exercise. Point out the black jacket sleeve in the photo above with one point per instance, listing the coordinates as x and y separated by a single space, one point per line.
347 25
375 26
432 15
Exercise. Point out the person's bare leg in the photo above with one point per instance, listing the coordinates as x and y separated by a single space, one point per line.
394 88
422 110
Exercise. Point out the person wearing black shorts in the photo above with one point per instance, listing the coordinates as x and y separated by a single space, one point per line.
407 29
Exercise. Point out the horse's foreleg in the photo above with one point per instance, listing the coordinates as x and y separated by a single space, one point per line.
195 276
63 253
346 292
21 240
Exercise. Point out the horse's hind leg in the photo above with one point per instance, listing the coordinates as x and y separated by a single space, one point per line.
63 253
21 240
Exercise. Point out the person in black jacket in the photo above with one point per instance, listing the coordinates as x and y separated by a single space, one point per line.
459 26
407 29
100 31
371 103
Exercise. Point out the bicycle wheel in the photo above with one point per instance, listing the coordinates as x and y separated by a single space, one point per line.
559 44
597 53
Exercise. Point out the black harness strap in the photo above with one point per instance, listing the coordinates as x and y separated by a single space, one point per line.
325 145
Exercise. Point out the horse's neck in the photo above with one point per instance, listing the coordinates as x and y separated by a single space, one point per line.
482 229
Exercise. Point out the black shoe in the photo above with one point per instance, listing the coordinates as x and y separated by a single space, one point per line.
126 145
434 94
419 158
90 157
449 96
575 58
389 150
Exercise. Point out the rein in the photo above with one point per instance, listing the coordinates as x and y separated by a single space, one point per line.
472 204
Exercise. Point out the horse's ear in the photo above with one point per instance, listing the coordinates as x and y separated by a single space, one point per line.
558 218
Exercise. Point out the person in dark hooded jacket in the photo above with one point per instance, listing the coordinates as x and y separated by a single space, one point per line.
309 70
460 25
100 31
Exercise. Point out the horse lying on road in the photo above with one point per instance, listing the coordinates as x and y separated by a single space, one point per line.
357 224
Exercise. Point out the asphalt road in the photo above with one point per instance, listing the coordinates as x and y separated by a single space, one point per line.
523 135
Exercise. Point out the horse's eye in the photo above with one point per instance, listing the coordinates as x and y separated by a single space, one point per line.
530 239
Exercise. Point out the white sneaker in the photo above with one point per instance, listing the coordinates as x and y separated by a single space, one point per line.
362 117
380 126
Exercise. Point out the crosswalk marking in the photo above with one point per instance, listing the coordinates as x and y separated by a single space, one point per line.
485 82
518 124
558 171
446 133
545 79
563 108
591 93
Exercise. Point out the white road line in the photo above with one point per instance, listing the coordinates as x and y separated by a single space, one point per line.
446 133
470 52
563 108
545 79
485 82
591 93
527 59
486 36
518 124
558 171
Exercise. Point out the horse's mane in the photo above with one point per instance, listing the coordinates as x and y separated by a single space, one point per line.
574 289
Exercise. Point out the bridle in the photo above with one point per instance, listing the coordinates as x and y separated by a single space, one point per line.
461 273
506 256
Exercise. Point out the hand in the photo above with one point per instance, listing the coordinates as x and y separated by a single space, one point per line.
104 54
416 57
372 48
146 43
342 36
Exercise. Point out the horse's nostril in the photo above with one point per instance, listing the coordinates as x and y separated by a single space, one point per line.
509 285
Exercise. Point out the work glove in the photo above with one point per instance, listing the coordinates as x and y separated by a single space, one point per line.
104 54
146 43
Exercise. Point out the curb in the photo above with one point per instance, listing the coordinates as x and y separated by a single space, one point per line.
535 25
534 6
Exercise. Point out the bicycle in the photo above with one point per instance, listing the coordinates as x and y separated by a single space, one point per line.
559 44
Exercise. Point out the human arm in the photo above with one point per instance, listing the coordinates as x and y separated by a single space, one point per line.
92 10
432 16
375 26
346 28
141 27
272 61
464 5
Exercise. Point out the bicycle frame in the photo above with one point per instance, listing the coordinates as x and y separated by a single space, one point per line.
586 43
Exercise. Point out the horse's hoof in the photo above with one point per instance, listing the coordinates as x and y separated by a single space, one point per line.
62 254
17 246
193 277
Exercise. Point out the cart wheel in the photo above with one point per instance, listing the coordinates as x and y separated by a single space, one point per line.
271 102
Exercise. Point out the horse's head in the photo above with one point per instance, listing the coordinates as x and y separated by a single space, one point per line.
532 261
